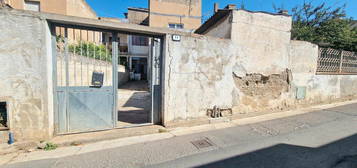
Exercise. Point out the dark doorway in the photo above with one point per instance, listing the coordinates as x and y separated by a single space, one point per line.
3 115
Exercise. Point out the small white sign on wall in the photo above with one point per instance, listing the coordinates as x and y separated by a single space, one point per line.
176 37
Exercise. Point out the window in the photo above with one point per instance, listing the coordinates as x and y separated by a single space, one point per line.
140 41
176 26
32 6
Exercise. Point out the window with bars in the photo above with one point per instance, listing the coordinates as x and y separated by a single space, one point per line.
140 41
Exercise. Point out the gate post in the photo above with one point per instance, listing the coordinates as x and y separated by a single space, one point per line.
115 55
341 61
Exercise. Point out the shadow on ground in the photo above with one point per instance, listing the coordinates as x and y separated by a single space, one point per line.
339 154
134 103
134 116
141 85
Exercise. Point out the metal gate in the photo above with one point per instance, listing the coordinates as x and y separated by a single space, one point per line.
156 67
85 92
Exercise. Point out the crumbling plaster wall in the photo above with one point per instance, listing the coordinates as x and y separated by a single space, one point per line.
202 72
25 78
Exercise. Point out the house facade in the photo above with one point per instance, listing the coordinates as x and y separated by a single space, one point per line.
176 14
78 8
182 15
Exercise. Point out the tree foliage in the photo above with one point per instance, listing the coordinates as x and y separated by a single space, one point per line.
324 25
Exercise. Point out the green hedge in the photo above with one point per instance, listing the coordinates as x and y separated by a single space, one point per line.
91 50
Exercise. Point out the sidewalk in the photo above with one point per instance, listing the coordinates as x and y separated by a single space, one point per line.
91 142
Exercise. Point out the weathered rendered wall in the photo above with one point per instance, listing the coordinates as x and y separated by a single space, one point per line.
138 16
265 40
320 88
198 75
203 72
222 29
25 68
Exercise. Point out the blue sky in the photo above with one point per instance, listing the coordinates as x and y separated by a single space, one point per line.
116 8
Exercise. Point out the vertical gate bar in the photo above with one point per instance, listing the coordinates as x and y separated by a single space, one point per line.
74 57
62 83
81 55
115 76
341 61
60 64
100 52
161 79
153 52
106 59
94 51
87 57
67 76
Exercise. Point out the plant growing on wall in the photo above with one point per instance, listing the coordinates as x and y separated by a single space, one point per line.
324 25
91 50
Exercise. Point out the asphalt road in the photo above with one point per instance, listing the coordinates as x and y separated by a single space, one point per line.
321 139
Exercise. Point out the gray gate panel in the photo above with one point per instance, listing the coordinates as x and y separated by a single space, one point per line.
156 104
90 111
62 117
80 52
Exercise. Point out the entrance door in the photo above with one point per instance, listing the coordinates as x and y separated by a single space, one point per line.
85 80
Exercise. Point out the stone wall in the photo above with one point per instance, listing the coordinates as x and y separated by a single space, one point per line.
25 79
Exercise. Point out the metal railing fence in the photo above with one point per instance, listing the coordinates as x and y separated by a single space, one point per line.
332 61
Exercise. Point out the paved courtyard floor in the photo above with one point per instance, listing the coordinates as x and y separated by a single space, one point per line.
134 104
